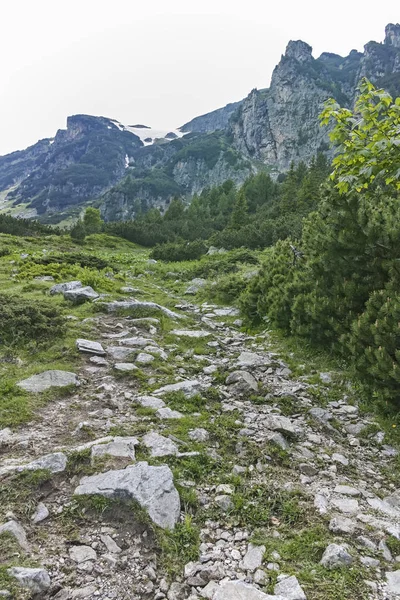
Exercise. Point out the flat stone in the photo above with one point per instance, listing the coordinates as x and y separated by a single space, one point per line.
150 402
35 580
321 414
210 369
41 513
383 507
393 582
191 333
55 463
152 487
246 382
250 359
229 311
340 459
168 413
47 380
278 440
144 359
279 423
136 342
342 525
253 558
346 490
110 544
238 590
134 305
87 591
209 590
393 499
159 445
119 353
90 347
224 501
345 505
120 447
99 361
60 288
336 556
17 531
125 367
81 554
369 562
80 295
190 387
290 589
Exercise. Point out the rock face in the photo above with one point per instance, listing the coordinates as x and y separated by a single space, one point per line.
273 126
151 487
48 379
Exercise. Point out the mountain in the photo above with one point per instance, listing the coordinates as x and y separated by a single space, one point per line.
126 169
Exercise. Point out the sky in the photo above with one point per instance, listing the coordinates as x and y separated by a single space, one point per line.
156 62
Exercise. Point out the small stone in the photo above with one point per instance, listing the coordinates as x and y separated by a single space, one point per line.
81 554
224 502
210 369
159 445
199 435
260 577
225 488
253 558
35 580
280 423
245 382
89 347
336 556
191 333
368 561
345 505
17 531
41 513
290 589
125 367
99 361
346 490
340 459
188 387
308 470
250 359
342 525
144 359
110 544
168 413
150 402
120 447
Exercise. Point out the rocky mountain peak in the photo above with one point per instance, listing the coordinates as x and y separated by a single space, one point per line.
392 35
299 50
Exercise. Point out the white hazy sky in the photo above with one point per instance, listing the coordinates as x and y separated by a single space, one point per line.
157 62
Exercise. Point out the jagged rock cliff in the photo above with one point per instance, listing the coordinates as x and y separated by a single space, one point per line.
96 159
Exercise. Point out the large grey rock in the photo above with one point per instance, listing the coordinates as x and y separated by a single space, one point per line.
80 295
159 445
136 305
253 558
41 513
150 402
60 288
188 387
336 556
17 531
152 487
238 590
144 359
90 347
136 342
290 589
393 583
35 580
48 379
120 447
342 525
345 505
245 382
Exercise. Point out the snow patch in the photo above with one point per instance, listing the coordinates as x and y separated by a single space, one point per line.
126 161
148 135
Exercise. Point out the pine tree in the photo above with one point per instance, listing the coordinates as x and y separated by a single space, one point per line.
78 232
240 213
92 220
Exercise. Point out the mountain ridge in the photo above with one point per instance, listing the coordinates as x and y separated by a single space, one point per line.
99 160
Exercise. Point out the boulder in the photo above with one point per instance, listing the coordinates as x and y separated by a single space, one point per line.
335 557
80 295
144 359
35 580
152 487
80 554
60 288
48 379
55 463
281 424
90 347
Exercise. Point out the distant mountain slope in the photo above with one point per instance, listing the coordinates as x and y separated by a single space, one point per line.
124 169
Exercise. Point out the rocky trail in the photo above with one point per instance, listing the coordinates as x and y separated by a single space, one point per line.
188 462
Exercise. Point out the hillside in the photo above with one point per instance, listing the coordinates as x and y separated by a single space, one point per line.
124 169
275 480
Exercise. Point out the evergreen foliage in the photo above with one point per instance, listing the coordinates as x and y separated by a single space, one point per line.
343 290
92 220
78 232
